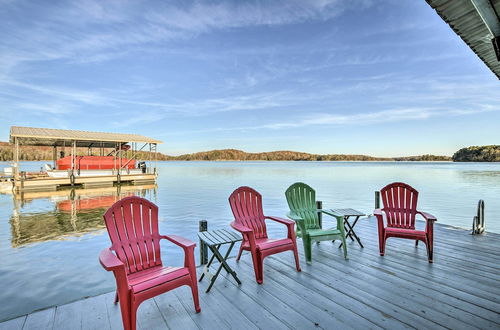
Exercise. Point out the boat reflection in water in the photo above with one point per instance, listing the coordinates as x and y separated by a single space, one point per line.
66 213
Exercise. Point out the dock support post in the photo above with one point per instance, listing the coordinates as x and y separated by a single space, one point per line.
203 226
54 156
478 221
377 199
319 206
16 159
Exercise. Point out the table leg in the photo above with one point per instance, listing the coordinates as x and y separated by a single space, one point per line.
348 230
351 232
209 263
223 264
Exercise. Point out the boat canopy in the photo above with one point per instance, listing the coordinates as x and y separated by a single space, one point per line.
61 137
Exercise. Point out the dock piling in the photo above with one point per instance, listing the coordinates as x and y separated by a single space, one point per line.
478 221
203 226
319 206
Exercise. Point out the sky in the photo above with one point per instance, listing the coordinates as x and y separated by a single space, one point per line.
382 78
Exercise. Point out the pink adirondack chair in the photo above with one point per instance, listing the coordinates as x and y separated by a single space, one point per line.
132 225
249 220
400 209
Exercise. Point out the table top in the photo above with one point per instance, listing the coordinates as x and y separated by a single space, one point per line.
348 212
219 236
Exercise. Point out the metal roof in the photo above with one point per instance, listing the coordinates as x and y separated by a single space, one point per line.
50 137
466 21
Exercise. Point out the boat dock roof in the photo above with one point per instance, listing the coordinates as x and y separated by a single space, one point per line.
400 290
58 137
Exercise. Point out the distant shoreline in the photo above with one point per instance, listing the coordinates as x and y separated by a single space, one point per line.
470 154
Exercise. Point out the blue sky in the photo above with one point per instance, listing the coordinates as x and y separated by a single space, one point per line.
383 78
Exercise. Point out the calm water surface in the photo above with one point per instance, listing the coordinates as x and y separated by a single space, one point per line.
49 243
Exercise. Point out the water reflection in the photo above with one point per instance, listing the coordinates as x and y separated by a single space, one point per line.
71 212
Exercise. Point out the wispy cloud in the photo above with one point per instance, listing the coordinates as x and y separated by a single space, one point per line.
92 30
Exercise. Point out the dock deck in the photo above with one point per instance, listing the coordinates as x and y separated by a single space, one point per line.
460 290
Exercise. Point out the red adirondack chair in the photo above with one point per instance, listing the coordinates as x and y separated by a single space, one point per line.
249 220
400 209
132 225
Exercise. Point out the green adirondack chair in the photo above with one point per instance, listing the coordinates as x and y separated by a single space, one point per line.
301 199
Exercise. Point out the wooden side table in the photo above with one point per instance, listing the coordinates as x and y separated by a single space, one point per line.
349 228
214 239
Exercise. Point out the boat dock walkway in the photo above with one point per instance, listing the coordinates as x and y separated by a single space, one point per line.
460 290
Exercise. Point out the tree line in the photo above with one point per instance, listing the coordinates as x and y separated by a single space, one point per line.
478 154
471 154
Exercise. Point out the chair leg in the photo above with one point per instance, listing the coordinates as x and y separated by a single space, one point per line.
194 291
256 260
307 248
117 298
344 246
382 245
296 255
260 279
429 251
133 317
125 311
239 253
416 243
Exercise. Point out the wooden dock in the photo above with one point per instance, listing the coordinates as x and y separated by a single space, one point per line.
50 184
461 290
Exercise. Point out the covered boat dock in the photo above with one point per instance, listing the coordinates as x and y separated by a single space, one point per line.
120 150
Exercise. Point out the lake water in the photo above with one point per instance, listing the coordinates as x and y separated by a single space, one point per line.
49 243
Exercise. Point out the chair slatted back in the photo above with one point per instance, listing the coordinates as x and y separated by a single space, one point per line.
301 200
400 205
132 225
246 204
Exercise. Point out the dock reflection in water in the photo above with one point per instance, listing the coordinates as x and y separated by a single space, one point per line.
75 212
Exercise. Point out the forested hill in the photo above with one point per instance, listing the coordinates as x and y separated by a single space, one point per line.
234 154
45 153
478 154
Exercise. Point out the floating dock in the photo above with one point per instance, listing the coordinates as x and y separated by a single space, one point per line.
100 143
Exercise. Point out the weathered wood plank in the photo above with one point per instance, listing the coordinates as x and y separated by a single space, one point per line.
113 311
219 305
40 320
69 316
281 306
324 298
420 290
392 266
14 324
174 313
374 301
245 304
94 313
149 316
400 294
205 319
465 281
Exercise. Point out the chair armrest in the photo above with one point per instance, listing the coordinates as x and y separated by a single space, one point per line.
427 216
179 241
377 212
331 213
288 223
300 222
294 216
109 261
281 220
339 217
242 229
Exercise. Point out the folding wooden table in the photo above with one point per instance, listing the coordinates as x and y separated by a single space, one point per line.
214 239
349 228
